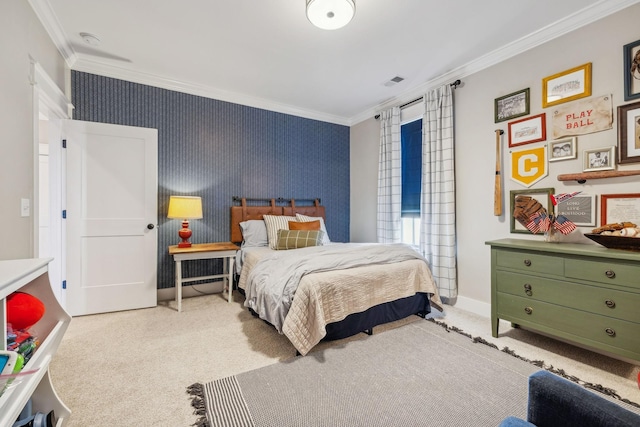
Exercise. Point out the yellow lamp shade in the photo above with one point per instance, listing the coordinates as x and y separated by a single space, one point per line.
185 207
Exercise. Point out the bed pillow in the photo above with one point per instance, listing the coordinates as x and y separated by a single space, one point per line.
304 218
298 225
295 239
275 223
254 233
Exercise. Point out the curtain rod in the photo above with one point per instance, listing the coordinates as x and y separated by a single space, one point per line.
454 85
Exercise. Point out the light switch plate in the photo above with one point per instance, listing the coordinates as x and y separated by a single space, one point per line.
25 207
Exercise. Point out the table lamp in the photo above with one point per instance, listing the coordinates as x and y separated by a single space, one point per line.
185 208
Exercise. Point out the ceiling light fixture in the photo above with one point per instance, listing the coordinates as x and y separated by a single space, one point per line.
330 14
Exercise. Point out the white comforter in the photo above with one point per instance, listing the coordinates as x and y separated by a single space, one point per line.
329 283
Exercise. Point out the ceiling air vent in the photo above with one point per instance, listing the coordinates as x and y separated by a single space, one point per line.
394 81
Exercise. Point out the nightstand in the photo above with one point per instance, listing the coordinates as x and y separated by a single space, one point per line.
224 250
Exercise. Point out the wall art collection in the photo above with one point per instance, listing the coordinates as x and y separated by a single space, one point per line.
572 112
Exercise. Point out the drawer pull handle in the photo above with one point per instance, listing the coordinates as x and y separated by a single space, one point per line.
610 303
527 262
610 274
528 310
527 289
611 332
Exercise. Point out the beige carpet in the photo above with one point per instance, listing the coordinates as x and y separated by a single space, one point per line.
132 368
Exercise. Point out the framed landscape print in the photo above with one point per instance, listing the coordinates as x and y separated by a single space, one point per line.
510 106
528 130
566 86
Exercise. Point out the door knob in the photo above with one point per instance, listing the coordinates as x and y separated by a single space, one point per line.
150 226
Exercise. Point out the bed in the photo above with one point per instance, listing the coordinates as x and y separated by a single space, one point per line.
311 289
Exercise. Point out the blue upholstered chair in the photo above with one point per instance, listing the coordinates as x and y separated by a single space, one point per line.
555 401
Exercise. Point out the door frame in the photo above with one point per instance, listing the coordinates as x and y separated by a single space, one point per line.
49 103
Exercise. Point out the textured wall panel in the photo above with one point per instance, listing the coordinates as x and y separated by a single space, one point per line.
218 150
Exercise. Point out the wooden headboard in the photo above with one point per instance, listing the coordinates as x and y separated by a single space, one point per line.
274 207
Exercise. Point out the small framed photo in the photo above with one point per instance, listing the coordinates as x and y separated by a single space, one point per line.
510 106
632 70
620 208
629 133
599 159
528 130
563 149
541 195
566 86
580 209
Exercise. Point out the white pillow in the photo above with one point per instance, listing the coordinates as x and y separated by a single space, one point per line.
275 223
304 218
254 233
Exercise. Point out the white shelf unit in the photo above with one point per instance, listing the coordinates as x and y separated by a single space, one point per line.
31 276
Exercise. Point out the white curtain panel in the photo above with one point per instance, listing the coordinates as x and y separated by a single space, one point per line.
437 204
389 178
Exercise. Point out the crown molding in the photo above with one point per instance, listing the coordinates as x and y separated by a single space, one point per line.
50 22
572 22
80 62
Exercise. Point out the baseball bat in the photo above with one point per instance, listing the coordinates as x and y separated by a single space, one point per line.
497 195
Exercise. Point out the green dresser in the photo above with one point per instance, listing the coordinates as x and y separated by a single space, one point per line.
586 294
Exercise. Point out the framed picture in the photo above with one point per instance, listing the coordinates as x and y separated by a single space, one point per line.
566 86
563 149
510 106
580 209
620 208
528 130
629 133
542 195
632 70
599 159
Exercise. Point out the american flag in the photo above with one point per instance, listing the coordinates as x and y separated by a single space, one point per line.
539 221
563 197
563 225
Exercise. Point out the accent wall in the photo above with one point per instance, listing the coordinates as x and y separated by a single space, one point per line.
218 150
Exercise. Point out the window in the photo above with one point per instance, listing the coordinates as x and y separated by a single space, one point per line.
411 149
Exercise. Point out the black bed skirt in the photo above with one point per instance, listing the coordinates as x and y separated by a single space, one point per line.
378 315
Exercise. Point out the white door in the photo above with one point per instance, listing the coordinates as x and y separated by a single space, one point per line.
111 216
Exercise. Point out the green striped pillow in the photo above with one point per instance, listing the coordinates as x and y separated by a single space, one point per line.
295 239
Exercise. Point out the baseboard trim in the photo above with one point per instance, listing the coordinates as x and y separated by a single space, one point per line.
474 306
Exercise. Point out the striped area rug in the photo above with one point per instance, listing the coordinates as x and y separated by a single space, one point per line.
418 374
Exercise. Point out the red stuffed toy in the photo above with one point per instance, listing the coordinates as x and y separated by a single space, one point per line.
23 310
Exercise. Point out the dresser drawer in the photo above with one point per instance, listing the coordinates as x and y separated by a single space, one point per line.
593 327
609 272
599 300
530 262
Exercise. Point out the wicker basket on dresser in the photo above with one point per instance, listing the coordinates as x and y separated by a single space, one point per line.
585 294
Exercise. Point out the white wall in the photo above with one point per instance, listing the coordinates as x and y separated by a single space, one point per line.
364 143
599 43
22 36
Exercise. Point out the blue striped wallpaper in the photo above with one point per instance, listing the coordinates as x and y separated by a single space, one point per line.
218 150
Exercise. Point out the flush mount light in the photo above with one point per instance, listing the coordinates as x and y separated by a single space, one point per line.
90 39
330 14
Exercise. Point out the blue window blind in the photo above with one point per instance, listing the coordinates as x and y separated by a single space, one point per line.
411 140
